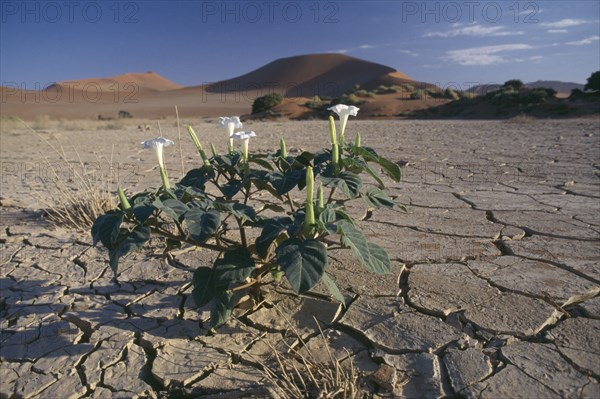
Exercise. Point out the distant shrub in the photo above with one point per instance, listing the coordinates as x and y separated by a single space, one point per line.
314 103
418 95
124 115
382 89
434 93
265 103
534 96
451 94
348 99
593 82
576 94
364 93
514 83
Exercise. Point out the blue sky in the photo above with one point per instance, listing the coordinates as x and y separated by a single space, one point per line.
192 42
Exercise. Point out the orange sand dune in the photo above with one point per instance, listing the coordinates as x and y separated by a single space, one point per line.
306 76
129 82
149 95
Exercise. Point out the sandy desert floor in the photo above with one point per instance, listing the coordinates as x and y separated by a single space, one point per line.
493 291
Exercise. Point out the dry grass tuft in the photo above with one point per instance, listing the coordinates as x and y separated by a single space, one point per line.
295 374
77 195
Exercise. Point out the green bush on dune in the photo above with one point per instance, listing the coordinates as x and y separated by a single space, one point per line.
266 102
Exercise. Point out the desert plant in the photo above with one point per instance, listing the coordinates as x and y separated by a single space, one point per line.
593 82
293 238
418 95
124 115
266 102
514 83
451 94
315 103
299 374
576 94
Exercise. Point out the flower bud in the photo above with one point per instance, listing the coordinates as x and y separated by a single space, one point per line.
125 205
309 219
332 133
198 146
283 148
320 199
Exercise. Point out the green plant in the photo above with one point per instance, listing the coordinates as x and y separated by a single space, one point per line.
124 115
514 83
451 94
254 192
593 82
315 103
266 102
350 99
418 95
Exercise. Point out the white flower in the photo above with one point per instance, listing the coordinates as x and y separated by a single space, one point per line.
230 123
343 112
158 144
245 137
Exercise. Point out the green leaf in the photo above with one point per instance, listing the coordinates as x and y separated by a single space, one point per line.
379 260
373 173
333 289
377 198
284 182
106 228
303 262
198 177
235 266
127 242
229 159
350 183
261 162
354 164
205 288
328 215
303 160
202 224
142 212
231 188
368 154
271 230
244 212
173 208
370 255
221 309
390 168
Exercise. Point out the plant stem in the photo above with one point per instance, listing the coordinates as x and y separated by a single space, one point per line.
289 197
242 232
188 241
331 195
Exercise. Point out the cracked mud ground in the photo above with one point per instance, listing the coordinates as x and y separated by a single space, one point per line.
494 290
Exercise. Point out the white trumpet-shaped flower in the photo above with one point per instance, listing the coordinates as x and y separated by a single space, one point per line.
230 123
245 137
158 144
344 111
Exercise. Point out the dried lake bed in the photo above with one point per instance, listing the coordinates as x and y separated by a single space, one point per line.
494 290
